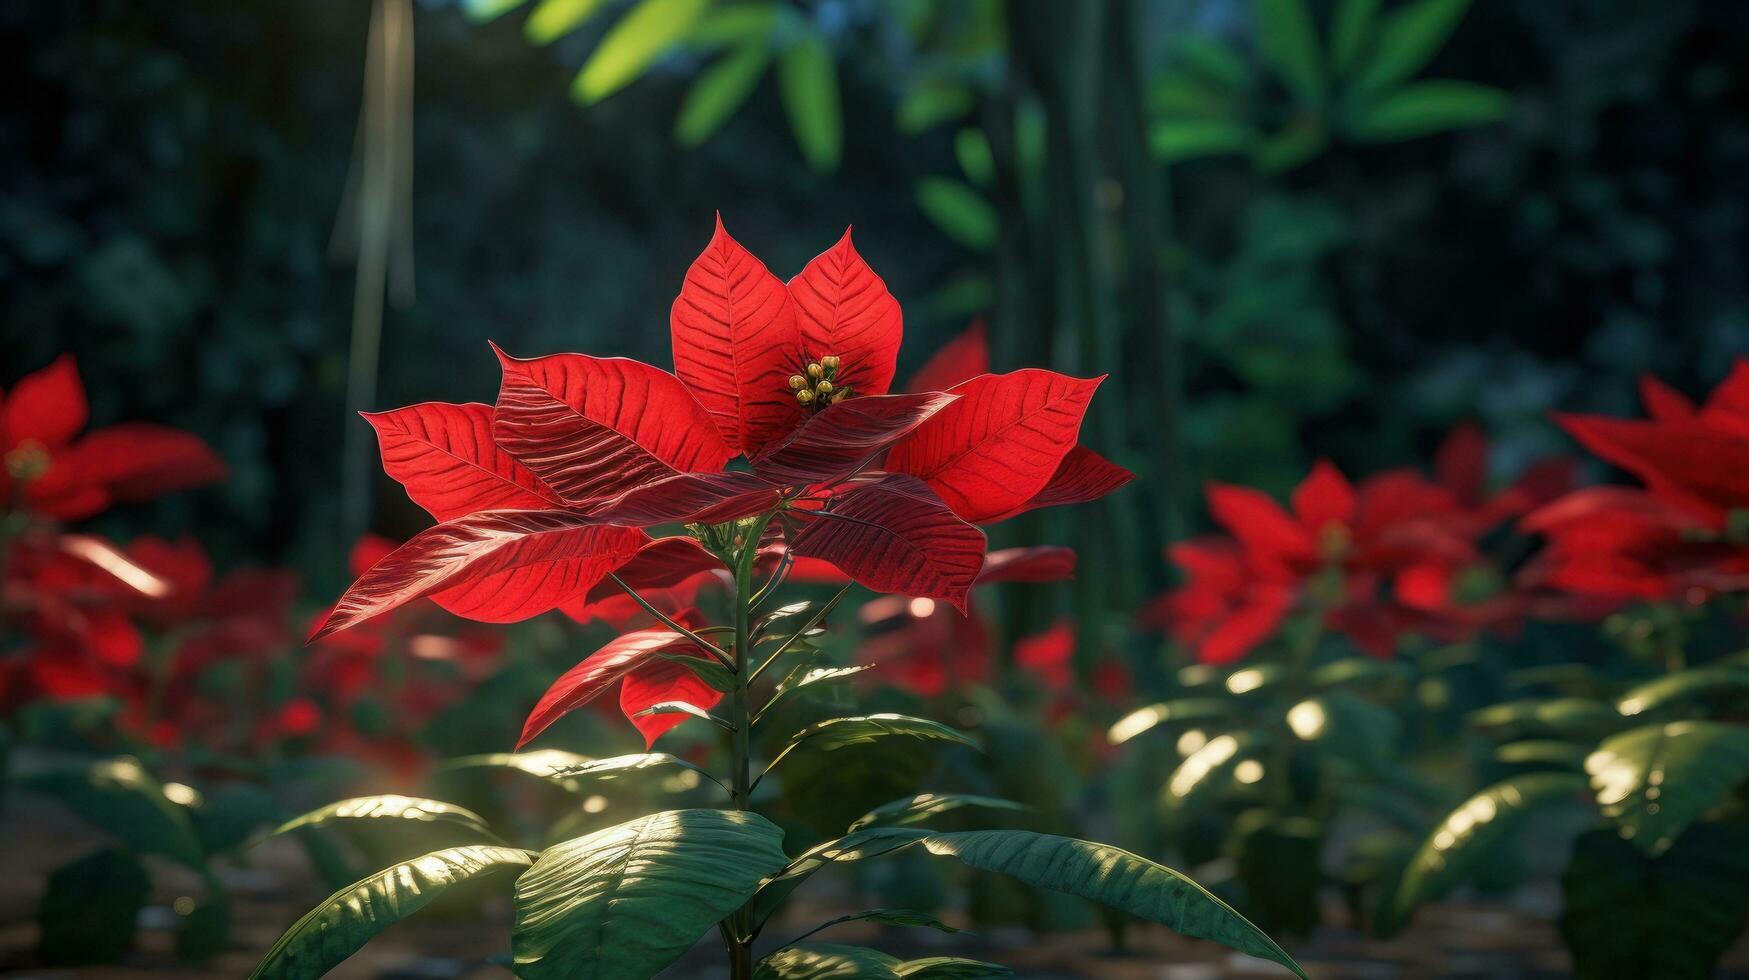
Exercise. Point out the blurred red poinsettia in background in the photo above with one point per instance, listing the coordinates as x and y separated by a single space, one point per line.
1685 535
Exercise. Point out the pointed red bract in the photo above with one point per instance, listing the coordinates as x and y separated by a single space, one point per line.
444 456
1324 497
1000 444
844 309
1083 475
964 358
1040 563
1703 466
896 535
122 463
658 682
593 427
595 674
496 567
1267 532
736 343
46 406
1664 403
838 441
705 498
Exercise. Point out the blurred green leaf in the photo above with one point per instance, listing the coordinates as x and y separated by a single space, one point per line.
1213 61
406 810
119 796
808 81
1289 43
553 19
481 11
1425 108
912 810
735 26
641 36
976 160
960 212
1188 139
1298 142
930 103
1721 682
1652 782
1349 30
89 911
1408 39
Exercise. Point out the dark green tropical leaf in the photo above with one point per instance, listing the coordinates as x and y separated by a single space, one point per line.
713 98
228 816
1726 681
1350 28
391 808
1463 840
340 926
960 212
930 103
481 11
807 78
89 910
629 900
950 968
1289 43
1186 710
827 961
1173 140
1424 108
889 917
647 31
913 810
1296 143
119 796
1408 39
1652 782
1214 62
838 733
614 767
1545 752
1541 718
972 149
1627 916
546 764
553 19
1347 726
707 669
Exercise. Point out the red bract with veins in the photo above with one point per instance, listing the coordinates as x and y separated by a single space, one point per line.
543 498
1685 535
1375 561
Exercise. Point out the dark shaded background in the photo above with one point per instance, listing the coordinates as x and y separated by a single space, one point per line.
174 169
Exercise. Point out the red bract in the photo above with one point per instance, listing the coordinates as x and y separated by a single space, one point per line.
1374 560
546 493
53 472
1680 537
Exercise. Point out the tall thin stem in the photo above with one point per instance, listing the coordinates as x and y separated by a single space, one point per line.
740 930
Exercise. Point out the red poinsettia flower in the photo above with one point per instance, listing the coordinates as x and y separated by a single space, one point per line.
544 494
51 471
1683 535
1375 559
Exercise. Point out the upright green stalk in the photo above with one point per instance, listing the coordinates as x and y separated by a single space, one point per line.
740 744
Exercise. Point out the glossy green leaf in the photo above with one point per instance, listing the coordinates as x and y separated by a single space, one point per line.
1346 725
629 900
546 764
1289 43
889 917
1350 28
807 78
1208 769
1425 108
717 93
1183 710
1465 838
350 917
912 810
614 767
121 798
1652 782
837 733
1626 915
707 669
684 708
827 961
1409 37
392 809
959 211
1173 140
1726 681
641 36
553 19
1359 672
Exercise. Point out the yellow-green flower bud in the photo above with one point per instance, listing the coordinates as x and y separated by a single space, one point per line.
815 371
805 396
797 382
824 387
829 362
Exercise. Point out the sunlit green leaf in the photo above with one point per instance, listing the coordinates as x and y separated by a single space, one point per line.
1208 769
718 92
1545 752
1656 780
481 11
735 25
1409 37
1425 108
1289 43
553 19
807 78
628 900
890 917
912 810
683 708
119 796
543 763
641 36
1540 717
390 808
613 767
838 733
1727 681
350 917
1183 710
960 212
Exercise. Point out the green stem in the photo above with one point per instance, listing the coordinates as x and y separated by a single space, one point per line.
739 933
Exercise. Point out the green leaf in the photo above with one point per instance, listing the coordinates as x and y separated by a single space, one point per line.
1627 916
481 11
1208 769
350 917
641 36
390 807
684 708
1408 39
889 917
1184 710
1683 686
89 911
961 213
1425 108
1212 61
1464 840
629 900
1346 725
707 669
1110 876
545 764
1289 44
837 733
1557 717
1296 143
1174 140
807 79
950 968
1546 752
912 810
827 961
613 767
714 97
121 798
930 103
973 151
1652 782
553 19
737 25
1349 30
1359 672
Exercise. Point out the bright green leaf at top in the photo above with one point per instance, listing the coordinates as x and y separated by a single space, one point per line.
1424 108
554 19
960 212
629 900
340 926
808 80
1349 30
1290 45
716 94
1655 781
641 36
1408 39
